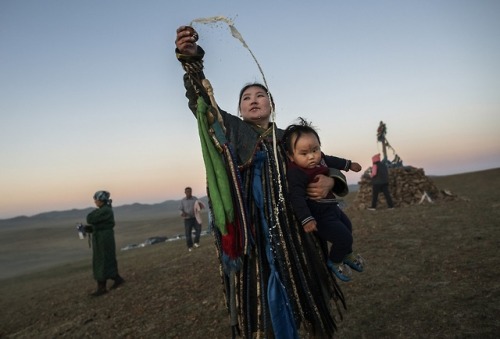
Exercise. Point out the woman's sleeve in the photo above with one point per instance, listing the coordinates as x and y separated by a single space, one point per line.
193 65
340 187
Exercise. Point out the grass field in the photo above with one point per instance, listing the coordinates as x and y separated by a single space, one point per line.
433 272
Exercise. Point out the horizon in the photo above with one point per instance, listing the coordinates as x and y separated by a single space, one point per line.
92 97
200 197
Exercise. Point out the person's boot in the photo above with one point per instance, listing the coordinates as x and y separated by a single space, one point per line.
118 281
101 289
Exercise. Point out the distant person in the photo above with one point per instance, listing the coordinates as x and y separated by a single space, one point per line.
380 182
187 209
303 148
101 223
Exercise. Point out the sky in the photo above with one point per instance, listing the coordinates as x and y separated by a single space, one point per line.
91 94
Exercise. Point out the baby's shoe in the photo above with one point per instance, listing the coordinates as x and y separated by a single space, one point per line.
340 270
357 263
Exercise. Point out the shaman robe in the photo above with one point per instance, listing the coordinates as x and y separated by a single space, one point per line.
104 265
298 259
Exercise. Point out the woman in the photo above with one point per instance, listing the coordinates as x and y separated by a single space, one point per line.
101 222
279 280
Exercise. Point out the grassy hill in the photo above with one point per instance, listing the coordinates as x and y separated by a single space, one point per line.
432 273
49 239
135 211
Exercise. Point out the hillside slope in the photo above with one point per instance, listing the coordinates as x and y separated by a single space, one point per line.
432 273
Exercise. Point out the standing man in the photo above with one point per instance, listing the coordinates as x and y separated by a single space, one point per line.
380 182
190 222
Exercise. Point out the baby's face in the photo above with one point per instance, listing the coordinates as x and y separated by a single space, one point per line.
307 151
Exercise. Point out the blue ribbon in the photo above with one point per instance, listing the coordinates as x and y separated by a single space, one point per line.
279 304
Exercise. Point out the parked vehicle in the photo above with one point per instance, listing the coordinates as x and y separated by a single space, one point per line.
129 247
177 237
154 240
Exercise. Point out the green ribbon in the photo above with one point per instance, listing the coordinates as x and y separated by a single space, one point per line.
218 182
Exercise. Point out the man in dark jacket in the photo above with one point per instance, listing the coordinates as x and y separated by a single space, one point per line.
380 182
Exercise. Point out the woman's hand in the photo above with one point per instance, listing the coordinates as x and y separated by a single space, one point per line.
320 187
185 40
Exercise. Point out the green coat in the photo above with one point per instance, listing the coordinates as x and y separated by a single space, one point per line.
104 263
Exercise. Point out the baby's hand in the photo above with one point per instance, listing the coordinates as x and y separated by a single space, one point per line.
310 226
355 167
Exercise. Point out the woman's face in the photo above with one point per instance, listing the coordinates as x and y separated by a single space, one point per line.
255 106
98 203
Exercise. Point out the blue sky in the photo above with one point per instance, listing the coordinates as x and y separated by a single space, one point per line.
91 94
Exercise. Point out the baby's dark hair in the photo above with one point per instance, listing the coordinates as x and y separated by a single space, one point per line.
302 127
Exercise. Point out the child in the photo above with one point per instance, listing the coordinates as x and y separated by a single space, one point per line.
303 149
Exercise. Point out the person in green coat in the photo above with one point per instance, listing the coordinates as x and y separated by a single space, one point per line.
101 222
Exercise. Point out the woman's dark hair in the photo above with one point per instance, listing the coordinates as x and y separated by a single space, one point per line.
255 84
303 127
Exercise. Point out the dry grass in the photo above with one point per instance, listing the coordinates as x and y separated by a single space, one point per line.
433 272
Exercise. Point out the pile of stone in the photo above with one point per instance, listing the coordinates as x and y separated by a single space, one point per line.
408 186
